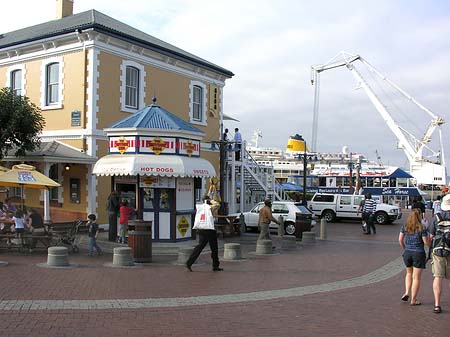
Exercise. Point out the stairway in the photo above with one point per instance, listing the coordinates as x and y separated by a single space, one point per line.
258 180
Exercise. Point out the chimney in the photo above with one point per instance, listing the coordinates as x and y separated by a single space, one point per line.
64 8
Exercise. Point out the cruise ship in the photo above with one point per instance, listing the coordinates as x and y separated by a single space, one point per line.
343 172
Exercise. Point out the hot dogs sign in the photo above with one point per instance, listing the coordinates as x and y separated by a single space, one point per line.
154 145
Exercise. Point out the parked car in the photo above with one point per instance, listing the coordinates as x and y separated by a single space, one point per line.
335 206
286 209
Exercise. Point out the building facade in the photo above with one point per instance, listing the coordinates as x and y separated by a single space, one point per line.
87 71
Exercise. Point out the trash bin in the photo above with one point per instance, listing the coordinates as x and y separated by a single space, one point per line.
140 240
303 221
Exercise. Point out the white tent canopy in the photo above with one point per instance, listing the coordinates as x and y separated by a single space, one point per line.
143 164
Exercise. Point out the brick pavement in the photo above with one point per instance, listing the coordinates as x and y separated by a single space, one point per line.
349 285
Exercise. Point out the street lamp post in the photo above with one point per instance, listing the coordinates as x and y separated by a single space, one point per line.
305 157
304 175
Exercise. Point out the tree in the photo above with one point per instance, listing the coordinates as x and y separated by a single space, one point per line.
21 122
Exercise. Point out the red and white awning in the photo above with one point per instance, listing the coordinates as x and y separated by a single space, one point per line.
152 165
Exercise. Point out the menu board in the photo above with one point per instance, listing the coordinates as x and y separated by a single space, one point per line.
157 182
185 194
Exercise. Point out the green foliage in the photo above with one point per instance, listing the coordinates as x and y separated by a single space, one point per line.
21 122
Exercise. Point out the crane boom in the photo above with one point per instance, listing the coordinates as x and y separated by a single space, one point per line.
425 171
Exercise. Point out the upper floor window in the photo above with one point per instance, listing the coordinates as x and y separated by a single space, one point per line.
132 86
52 84
16 81
197 111
197 104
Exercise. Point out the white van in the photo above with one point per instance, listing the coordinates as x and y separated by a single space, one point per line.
336 206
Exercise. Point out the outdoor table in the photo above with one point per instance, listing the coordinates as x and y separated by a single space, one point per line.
225 225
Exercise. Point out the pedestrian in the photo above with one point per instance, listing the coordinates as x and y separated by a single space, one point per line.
360 210
436 207
418 203
225 137
440 236
238 144
92 233
265 218
113 207
19 222
9 208
412 238
370 206
35 224
125 215
204 224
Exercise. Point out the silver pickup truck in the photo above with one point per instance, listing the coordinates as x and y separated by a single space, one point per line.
335 206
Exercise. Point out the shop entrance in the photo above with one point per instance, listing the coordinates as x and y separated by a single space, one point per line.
127 192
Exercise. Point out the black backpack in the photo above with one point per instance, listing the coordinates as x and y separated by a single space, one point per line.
441 240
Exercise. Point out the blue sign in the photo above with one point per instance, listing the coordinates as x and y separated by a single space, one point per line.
396 191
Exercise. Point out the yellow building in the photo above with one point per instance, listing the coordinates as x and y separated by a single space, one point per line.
87 71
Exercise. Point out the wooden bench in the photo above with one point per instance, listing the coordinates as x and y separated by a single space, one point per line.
25 240
56 232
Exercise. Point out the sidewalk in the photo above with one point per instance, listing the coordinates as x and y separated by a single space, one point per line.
348 285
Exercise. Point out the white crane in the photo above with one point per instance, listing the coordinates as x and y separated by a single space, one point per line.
425 171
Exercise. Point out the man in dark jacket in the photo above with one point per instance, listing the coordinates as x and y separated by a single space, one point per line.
113 209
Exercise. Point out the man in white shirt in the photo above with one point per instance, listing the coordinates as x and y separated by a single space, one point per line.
437 205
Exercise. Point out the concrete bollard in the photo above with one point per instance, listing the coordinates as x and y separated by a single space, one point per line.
323 229
309 237
232 251
123 257
289 242
183 254
281 226
264 247
58 257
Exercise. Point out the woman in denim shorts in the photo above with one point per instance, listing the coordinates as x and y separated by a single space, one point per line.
412 238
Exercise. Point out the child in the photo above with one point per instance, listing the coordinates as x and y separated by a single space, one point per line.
125 214
19 222
93 231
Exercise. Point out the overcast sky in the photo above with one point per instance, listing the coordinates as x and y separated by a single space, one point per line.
271 45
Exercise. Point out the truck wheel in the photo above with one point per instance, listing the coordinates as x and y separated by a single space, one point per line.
329 216
289 228
381 218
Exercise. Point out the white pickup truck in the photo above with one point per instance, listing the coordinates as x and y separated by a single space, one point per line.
335 206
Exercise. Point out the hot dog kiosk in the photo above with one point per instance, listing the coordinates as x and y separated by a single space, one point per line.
154 161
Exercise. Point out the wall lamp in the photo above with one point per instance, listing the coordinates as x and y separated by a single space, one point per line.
67 167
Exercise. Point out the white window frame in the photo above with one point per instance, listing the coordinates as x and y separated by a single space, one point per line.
9 73
203 103
58 104
123 85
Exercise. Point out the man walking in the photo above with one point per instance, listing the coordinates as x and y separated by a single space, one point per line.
113 209
440 235
370 206
204 224
265 217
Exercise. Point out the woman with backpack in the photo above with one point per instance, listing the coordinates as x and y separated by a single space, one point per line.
412 238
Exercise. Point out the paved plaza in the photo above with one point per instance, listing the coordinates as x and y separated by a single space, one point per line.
348 285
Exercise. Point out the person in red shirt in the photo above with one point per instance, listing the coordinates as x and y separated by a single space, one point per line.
125 214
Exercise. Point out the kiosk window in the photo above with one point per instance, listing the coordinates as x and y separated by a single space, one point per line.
164 200
149 196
